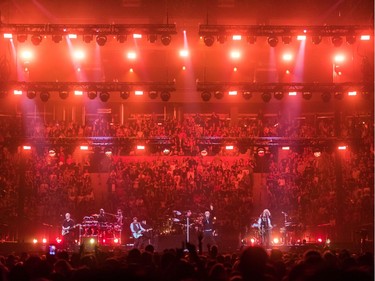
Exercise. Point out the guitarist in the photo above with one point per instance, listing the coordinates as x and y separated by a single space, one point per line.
137 232
265 226
67 232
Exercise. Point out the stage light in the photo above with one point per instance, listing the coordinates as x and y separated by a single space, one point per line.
326 96
232 93
52 153
287 57
36 39
221 39
235 69
17 92
92 241
316 39
251 39
79 54
204 152
31 94
92 94
292 93
44 240
153 94
247 95
26 55
301 37
152 38
261 151
22 38
35 240
78 93
166 151
339 95
56 38
219 95
108 152
350 39
365 37
338 69
184 53
101 40
165 39
352 93
208 40
337 41
307 95
286 148
140 147
116 241
339 58
342 147
276 240
8 35
273 41
104 96
236 37
317 153
44 96
84 147
87 38
229 147
72 36
235 54
286 39
165 95
138 93
121 38
206 95
184 67
124 94
278 95
266 96
137 36
131 55
63 95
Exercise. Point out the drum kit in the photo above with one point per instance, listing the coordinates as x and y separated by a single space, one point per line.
105 231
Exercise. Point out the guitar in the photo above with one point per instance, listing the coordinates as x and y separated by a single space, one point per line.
66 230
139 233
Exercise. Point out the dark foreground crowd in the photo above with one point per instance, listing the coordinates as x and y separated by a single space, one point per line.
251 263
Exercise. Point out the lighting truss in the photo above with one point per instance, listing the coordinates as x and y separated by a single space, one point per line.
284 30
285 87
86 86
88 29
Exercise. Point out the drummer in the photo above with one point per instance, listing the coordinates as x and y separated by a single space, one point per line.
102 217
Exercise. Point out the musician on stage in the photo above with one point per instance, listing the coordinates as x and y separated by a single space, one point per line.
102 217
265 226
67 233
137 232
208 228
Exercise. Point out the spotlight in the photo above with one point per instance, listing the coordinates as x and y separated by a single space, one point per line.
261 151
153 94
221 39
63 94
36 39
337 41
92 94
101 40
56 38
247 95
165 95
251 39
316 39
350 39
121 38
21 38
87 38
124 94
278 95
31 94
266 96
326 96
306 95
165 39
206 95
152 38
209 40
273 41
286 39
44 96
219 95
104 96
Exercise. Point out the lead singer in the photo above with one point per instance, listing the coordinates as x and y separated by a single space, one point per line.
265 226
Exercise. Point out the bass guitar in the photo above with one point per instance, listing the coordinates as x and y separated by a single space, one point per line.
139 233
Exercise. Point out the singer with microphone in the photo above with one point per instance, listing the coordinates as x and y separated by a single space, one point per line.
265 227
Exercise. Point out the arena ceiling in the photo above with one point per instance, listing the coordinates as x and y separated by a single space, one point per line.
139 62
